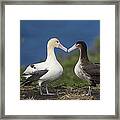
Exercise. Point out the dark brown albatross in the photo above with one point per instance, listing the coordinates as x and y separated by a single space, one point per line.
85 69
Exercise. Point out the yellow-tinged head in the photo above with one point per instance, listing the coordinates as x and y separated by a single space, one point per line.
55 43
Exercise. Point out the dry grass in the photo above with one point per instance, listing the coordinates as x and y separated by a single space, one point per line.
32 93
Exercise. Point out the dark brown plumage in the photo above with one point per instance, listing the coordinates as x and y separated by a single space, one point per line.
89 68
84 68
93 70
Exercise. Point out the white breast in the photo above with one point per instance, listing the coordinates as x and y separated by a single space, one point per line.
80 73
55 70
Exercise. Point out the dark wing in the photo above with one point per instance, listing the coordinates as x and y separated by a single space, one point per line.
92 69
34 76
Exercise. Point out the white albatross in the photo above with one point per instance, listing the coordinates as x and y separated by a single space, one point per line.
48 70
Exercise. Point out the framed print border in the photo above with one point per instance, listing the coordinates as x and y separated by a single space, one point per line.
66 2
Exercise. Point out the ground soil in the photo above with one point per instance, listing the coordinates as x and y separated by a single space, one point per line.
32 93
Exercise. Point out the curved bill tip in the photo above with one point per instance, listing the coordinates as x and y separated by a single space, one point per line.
72 48
63 48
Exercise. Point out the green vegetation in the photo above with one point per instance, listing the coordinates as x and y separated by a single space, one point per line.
69 79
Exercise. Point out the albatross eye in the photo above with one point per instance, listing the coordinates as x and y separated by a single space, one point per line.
77 44
32 66
57 41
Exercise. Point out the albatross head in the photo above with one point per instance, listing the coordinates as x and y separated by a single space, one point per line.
55 43
79 45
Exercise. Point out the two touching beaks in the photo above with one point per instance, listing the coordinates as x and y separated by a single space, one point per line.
56 43
69 49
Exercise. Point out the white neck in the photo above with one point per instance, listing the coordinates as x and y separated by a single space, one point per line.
50 54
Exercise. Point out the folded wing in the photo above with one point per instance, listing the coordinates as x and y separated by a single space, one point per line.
92 69
34 77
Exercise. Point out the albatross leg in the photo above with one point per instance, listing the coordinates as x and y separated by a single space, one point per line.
40 87
89 92
48 91
41 93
